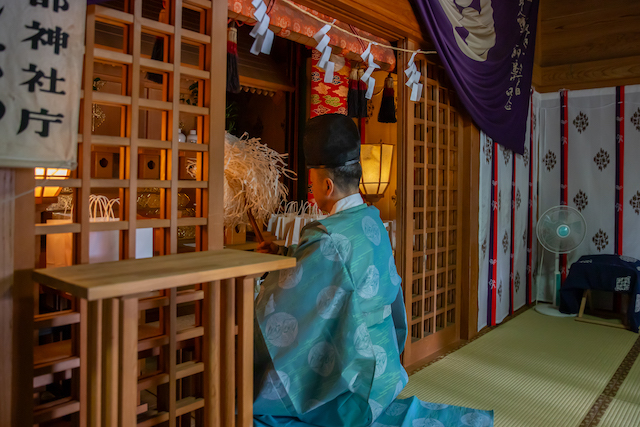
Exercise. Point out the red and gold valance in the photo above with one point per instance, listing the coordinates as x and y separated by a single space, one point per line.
293 24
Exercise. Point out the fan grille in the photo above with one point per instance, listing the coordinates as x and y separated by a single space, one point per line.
561 229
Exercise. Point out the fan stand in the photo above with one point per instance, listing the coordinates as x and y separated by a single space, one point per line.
552 309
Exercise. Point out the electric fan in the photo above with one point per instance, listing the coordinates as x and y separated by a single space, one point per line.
560 230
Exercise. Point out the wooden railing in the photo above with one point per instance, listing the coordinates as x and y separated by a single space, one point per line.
211 385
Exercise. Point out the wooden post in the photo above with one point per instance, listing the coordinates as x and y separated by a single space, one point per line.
469 187
244 361
110 361
94 362
7 206
211 305
128 361
227 377
23 297
215 165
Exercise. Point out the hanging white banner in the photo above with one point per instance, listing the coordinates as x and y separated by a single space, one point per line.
41 53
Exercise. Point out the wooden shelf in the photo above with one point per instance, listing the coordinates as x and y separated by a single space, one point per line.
134 276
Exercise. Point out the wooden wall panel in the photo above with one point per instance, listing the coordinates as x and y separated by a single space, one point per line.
587 44
611 31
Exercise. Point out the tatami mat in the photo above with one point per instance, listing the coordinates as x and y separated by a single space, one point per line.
630 389
621 413
532 371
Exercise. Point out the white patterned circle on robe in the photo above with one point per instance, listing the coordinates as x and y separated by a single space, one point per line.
290 277
434 406
386 311
281 329
427 422
376 409
627 258
342 244
381 360
330 301
270 307
322 358
399 388
276 385
396 409
393 272
362 341
368 288
475 419
371 230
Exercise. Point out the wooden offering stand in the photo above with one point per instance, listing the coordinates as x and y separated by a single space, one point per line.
223 374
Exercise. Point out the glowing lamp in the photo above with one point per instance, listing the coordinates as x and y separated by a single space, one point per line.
45 193
376 170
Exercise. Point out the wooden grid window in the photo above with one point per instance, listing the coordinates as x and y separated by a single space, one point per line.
147 74
432 215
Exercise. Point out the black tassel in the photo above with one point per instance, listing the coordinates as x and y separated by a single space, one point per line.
352 95
233 79
387 113
362 91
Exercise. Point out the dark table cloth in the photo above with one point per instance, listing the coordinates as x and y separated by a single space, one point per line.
612 273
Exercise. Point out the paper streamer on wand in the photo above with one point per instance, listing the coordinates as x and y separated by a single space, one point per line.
323 46
413 76
261 33
367 56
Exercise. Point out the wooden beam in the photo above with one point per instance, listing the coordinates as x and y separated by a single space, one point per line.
589 75
389 20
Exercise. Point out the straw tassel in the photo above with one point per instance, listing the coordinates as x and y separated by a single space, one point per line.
387 113
233 79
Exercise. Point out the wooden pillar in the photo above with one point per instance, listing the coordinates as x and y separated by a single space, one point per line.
217 87
227 375
211 353
470 170
244 361
23 297
128 361
94 362
7 182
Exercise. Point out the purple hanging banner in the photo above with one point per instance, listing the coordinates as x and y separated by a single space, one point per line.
487 48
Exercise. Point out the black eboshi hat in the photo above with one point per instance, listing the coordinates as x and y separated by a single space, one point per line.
331 141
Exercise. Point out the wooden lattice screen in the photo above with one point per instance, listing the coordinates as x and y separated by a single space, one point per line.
150 68
432 216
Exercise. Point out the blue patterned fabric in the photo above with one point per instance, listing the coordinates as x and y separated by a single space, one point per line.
330 332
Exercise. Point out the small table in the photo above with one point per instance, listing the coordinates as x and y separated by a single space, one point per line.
612 273
110 352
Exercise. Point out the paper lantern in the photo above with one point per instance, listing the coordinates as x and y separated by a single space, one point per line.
376 170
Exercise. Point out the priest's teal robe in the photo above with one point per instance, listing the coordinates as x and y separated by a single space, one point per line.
330 332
